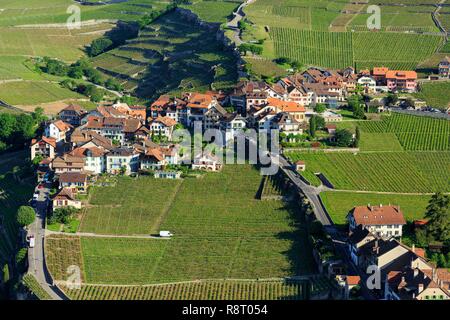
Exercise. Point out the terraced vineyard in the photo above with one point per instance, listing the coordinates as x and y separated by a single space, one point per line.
199 290
413 132
170 55
383 171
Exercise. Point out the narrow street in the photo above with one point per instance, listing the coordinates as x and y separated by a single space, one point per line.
36 256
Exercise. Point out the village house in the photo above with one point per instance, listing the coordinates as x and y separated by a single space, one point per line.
330 116
67 163
213 117
287 124
197 106
72 114
44 147
385 221
58 129
378 74
444 68
206 161
74 181
94 158
300 165
415 283
368 84
248 94
117 129
162 126
296 111
65 198
152 159
397 80
120 160
231 125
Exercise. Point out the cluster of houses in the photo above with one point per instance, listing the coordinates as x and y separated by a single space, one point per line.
405 274
119 138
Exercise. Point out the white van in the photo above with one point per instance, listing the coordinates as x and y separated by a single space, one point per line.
165 234
31 241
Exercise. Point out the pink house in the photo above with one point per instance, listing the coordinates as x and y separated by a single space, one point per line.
398 80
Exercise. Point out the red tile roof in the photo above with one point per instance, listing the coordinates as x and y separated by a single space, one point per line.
47 140
353 280
378 215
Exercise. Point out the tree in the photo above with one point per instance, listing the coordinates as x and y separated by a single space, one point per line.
7 125
344 138
25 215
99 46
21 258
437 213
62 215
75 72
320 108
391 99
38 115
358 112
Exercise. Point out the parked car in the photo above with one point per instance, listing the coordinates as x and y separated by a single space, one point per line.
31 241
165 234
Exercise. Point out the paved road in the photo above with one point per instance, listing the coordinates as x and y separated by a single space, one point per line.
238 15
36 257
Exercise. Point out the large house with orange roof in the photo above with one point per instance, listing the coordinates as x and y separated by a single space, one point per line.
297 111
383 220
163 126
398 80
58 129
44 147
395 80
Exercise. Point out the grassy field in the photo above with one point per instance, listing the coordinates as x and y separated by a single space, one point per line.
413 132
55 11
34 92
436 94
221 232
137 211
381 171
339 204
213 11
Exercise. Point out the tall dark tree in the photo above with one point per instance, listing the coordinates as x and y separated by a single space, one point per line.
438 215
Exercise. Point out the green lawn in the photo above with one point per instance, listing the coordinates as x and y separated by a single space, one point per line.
220 231
34 92
339 204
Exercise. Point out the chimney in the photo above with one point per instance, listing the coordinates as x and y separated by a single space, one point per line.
381 205
413 248
416 272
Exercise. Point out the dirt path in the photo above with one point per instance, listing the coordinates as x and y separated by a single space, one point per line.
95 235
166 209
